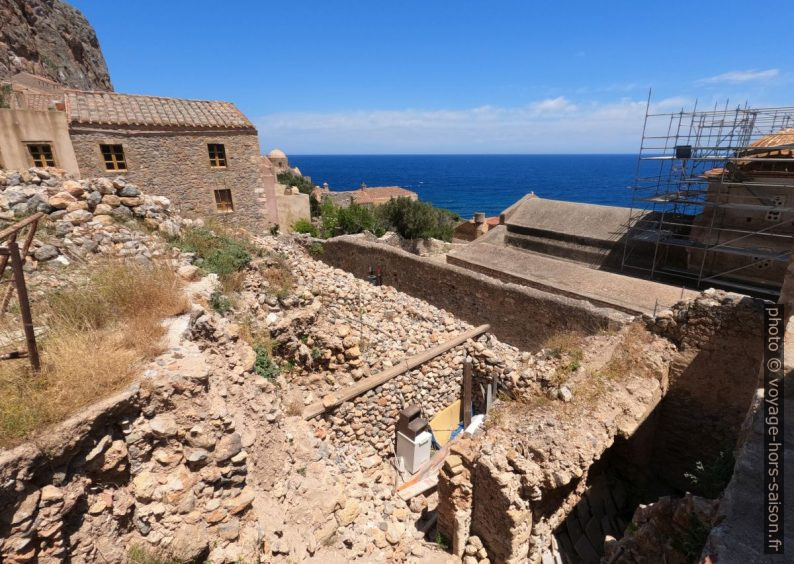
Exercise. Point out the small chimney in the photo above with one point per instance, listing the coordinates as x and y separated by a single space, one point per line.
479 218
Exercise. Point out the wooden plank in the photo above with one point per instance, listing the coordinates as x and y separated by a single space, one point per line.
467 392
367 384
420 487
20 224
426 478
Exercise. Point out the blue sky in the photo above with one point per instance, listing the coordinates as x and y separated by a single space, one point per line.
443 76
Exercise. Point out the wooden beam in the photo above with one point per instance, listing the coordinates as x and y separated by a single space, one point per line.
332 400
20 224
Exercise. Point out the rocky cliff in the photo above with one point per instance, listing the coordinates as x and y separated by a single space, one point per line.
52 39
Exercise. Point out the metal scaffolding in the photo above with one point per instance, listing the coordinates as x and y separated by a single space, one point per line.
697 171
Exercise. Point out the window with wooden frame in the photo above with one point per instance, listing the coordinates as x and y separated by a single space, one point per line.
41 153
223 200
217 155
113 155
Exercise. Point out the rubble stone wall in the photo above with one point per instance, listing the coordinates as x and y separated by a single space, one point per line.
176 164
712 379
524 317
372 417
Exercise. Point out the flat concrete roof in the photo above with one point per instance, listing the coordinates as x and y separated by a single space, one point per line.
570 219
489 255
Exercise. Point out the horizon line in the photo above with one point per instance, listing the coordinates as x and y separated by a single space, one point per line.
455 154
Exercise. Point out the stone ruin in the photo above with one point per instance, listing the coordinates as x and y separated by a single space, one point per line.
564 465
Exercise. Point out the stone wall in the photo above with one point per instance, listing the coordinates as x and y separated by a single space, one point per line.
712 379
176 164
524 317
434 385
521 478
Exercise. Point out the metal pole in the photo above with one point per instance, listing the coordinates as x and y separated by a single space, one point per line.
467 392
24 305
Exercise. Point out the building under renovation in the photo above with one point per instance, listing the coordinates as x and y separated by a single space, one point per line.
712 204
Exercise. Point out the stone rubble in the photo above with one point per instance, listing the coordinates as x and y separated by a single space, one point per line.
215 462
339 329
86 217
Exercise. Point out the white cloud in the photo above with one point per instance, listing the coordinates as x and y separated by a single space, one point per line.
553 105
741 76
553 125
673 103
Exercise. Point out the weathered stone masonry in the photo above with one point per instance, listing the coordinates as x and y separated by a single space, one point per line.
712 379
176 165
434 385
524 317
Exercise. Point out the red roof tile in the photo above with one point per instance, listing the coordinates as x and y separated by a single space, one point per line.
111 108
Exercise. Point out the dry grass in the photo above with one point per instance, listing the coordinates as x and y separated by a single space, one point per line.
278 276
568 348
629 353
255 334
626 359
97 337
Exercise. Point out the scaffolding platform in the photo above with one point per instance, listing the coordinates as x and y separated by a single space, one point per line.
718 182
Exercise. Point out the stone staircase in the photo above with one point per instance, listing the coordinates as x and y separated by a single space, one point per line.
580 538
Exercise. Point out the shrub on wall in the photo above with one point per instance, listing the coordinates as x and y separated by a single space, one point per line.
357 219
304 226
417 220
411 219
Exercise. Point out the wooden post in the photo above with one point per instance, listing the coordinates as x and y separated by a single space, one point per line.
23 253
24 305
467 392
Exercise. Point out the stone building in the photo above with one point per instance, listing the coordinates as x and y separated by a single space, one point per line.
278 159
203 155
747 222
365 195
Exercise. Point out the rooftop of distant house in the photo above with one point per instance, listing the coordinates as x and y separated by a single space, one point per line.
365 195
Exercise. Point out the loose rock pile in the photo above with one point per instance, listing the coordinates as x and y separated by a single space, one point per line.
661 530
86 216
349 329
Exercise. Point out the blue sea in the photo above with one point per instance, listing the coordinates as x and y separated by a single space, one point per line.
488 183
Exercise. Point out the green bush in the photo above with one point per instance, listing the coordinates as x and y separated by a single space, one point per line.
316 249
417 220
220 303
411 219
329 218
219 253
691 541
357 219
264 365
289 178
304 226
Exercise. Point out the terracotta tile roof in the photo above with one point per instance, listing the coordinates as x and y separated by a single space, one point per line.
380 194
31 101
783 140
111 108
782 137
374 195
